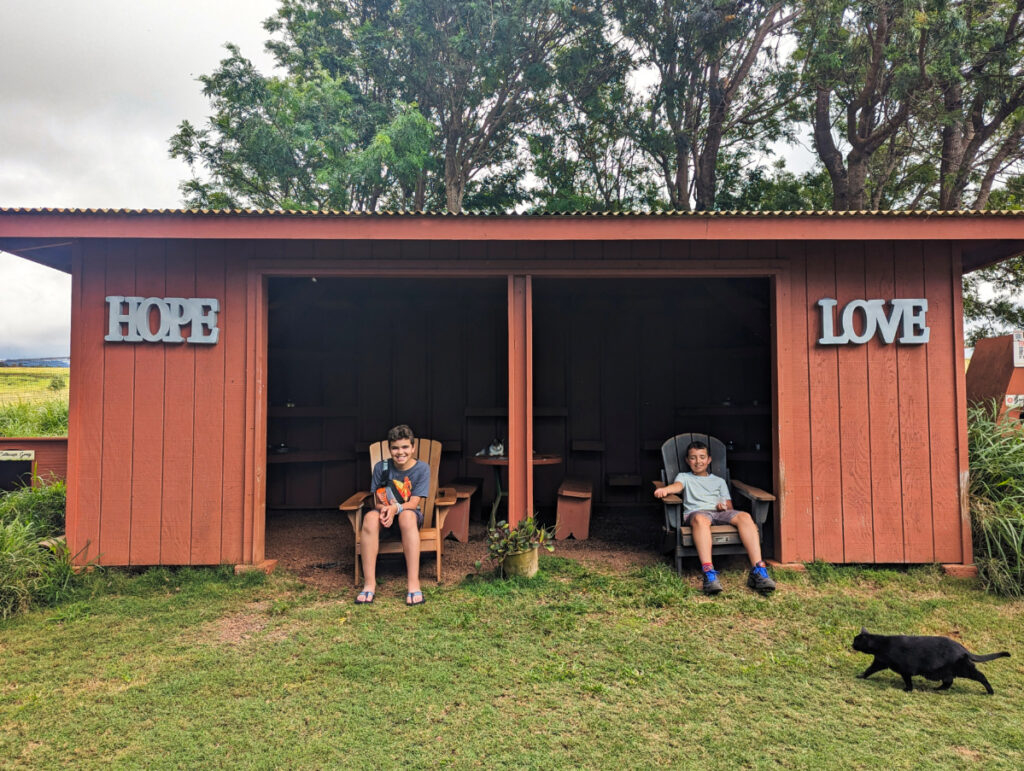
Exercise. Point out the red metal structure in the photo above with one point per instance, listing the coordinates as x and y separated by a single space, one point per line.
615 328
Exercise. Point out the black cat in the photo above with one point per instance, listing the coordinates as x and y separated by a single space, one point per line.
936 658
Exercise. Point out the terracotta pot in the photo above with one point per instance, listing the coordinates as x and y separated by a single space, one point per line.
523 564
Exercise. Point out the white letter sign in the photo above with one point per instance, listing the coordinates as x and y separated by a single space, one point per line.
906 316
130 319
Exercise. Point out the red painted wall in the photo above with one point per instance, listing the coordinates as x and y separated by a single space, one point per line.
157 431
51 454
870 445
877 476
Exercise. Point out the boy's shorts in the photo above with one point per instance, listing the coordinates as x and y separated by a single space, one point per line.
395 531
717 517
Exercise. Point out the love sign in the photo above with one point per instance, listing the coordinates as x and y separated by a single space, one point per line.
130 319
870 316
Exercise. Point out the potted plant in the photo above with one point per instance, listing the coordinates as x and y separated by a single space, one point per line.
515 549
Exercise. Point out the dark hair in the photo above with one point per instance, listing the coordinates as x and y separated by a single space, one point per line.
401 432
696 445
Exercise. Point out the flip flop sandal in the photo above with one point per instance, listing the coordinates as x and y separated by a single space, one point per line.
410 598
364 597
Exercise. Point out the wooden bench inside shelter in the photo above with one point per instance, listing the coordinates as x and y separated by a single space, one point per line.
457 521
575 495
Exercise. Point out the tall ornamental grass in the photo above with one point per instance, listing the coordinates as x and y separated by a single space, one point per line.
35 568
27 418
997 499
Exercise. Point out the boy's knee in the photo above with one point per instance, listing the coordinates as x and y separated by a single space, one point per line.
371 524
742 517
407 522
699 521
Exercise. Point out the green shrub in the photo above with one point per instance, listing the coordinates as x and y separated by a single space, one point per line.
999 546
43 418
30 573
41 507
997 499
996 456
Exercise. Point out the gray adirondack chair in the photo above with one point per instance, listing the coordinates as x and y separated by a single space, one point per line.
725 539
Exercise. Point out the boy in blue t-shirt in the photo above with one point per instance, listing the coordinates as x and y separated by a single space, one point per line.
399 485
706 502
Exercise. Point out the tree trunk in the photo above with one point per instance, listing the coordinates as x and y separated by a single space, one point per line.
420 196
952 150
679 190
856 180
454 179
829 154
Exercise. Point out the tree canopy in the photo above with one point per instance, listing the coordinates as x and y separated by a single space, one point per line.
603 105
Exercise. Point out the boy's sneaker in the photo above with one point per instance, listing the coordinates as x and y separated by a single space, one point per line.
760 581
711 584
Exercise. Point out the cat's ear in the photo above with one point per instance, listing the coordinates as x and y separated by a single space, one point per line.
863 630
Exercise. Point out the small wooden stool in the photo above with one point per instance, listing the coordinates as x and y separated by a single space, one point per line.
457 521
476 500
573 518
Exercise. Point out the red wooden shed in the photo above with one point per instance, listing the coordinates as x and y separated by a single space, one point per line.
826 347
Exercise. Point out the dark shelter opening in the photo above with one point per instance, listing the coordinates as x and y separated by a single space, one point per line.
619 365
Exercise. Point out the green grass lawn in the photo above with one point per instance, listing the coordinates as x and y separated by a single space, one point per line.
578 668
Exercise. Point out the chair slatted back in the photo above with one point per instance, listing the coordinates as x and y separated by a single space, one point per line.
426 450
673 456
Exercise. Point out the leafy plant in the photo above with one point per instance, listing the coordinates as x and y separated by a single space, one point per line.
999 547
997 499
503 540
42 507
26 418
29 571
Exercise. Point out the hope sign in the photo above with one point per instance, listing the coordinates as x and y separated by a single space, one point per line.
172 313
907 316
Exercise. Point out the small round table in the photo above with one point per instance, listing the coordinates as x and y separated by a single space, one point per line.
496 462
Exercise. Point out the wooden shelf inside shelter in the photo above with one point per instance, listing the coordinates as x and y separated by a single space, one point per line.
309 456
309 412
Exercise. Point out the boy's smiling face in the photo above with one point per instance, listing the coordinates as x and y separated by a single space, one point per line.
698 461
402 452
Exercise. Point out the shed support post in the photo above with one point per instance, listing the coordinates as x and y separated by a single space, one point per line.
520 397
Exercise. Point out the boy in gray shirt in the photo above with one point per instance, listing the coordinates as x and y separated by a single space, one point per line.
399 484
706 502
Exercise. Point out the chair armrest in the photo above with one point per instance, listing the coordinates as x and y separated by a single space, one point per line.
446 496
668 498
355 502
753 493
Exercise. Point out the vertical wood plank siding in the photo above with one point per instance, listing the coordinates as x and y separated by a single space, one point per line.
886 479
823 394
157 435
118 412
148 412
165 448
886 440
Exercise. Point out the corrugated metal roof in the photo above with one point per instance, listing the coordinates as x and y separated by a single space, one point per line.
960 213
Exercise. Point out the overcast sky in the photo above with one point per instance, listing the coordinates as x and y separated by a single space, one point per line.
90 92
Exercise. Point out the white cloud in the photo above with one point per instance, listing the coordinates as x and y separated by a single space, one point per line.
35 309
90 94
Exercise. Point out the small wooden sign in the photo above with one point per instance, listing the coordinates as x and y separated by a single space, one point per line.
17 455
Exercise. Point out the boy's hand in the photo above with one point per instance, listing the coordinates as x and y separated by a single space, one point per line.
387 515
661 492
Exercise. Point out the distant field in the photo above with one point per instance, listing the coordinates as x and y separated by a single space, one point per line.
33 384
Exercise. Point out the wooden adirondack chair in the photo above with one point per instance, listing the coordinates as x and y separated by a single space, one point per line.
435 507
725 539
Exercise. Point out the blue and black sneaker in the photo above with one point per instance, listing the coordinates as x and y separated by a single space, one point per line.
711 584
760 581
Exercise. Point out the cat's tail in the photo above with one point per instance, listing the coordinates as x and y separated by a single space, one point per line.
988 657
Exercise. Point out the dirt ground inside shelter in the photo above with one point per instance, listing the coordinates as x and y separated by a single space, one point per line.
318 547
